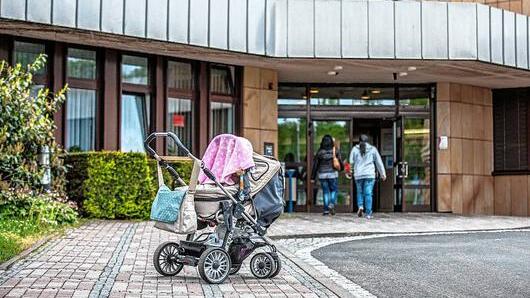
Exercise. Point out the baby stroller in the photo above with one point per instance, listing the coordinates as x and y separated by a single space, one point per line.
238 214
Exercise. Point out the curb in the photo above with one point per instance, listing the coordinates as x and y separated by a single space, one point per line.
7 264
309 270
355 234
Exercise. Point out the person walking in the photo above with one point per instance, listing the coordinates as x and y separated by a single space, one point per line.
364 158
327 164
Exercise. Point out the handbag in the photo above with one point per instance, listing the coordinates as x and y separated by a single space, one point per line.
336 162
185 217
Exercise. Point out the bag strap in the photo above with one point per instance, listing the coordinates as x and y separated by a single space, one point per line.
160 176
194 176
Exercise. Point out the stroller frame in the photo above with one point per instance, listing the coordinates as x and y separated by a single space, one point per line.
221 253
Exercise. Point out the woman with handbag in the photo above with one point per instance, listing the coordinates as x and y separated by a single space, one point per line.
327 164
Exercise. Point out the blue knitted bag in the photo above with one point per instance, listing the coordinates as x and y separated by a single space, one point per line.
166 205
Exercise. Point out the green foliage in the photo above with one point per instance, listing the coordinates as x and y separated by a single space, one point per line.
26 124
42 209
115 184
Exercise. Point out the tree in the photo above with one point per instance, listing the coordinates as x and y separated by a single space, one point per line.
26 125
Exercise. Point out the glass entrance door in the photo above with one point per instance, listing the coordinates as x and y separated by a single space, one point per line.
413 167
340 131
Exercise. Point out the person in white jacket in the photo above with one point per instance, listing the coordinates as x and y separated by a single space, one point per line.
364 159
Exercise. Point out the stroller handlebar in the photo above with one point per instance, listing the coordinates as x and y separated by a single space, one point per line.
155 135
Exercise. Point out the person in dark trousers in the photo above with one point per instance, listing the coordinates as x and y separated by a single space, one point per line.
327 164
364 159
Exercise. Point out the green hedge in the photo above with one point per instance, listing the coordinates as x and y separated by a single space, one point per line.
115 185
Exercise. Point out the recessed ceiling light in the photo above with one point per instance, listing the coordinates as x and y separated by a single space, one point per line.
337 67
403 73
412 68
375 91
365 95
314 91
332 73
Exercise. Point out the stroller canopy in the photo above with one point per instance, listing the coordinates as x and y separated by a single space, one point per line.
265 169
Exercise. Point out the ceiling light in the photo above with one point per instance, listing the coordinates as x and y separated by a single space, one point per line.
313 91
337 67
412 68
365 95
375 91
403 73
332 73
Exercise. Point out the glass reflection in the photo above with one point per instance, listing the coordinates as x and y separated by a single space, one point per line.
292 145
416 144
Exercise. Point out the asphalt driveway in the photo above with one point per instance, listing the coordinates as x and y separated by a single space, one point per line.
486 264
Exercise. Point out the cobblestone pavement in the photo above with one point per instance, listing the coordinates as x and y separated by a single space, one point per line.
114 258
311 224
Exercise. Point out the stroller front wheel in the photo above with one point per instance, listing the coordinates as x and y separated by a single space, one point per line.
262 265
214 265
165 259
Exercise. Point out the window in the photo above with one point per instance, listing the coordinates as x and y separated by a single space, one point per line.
222 117
134 70
135 103
27 52
223 100
510 120
222 79
81 100
81 64
180 109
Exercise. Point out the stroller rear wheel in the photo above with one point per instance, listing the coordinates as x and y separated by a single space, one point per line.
262 265
214 265
165 259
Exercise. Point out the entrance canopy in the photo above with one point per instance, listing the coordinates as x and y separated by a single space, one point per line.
302 39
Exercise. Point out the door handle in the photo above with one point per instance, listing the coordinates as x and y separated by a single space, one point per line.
403 169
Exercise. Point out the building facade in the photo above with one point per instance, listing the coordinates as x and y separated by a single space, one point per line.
440 88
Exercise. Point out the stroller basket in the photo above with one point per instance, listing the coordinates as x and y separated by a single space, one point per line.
239 214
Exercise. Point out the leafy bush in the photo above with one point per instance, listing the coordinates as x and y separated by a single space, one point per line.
42 209
115 184
26 124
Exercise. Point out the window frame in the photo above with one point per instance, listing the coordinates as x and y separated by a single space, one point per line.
234 98
38 79
86 84
193 95
137 89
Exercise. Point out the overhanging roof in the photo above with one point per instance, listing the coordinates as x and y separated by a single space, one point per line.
427 32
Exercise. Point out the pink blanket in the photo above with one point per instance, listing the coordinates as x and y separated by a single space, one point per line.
226 154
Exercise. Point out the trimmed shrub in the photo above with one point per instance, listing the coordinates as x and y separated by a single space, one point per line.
115 185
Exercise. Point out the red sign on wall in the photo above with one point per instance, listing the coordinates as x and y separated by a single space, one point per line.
178 120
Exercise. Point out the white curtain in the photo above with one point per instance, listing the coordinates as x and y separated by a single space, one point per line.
222 117
80 119
134 122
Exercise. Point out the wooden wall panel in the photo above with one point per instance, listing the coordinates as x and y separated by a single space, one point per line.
502 204
444 193
457 193
519 195
468 194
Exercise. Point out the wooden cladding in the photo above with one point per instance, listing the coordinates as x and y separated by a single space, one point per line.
511 121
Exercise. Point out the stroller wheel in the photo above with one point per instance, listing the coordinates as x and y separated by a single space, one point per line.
262 265
235 269
165 259
278 263
214 265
